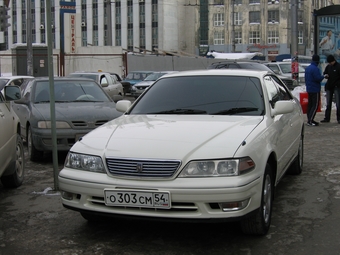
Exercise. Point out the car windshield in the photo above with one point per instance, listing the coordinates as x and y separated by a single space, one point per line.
287 68
153 76
70 91
136 76
214 95
83 75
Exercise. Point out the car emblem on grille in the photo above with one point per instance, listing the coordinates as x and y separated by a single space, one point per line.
139 167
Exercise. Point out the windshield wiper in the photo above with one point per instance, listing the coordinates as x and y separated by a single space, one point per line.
232 111
181 111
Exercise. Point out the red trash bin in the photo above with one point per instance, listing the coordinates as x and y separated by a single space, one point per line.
304 102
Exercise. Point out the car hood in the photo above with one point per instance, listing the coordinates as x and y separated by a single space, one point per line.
171 137
144 83
79 111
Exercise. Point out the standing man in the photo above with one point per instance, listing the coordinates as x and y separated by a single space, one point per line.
313 80
326 44
332 73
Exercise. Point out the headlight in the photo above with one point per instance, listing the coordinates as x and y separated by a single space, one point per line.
217 168
48 124
84 162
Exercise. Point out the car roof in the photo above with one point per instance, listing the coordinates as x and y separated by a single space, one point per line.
93 72
218 72
15 77
63 79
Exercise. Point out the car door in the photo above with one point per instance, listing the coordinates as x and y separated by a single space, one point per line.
7 132
105 83
284 125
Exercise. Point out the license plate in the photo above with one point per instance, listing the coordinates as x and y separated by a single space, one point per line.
149 199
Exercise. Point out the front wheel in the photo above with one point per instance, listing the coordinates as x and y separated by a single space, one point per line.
33 153
15 179
259 223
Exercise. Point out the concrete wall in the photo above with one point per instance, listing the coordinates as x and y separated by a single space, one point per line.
167 63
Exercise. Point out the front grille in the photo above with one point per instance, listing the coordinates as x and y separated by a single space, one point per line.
100 122
79 123
142 168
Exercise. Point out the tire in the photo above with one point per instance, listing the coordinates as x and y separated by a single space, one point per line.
259 222
297 165
15 179
33 153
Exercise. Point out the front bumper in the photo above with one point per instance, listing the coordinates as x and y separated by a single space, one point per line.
187 202
66 138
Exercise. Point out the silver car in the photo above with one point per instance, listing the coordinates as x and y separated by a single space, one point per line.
81 105
141 86
109 83
12 160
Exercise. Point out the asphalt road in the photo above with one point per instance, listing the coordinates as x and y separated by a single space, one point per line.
306 218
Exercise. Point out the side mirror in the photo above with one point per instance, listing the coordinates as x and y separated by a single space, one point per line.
12 93
283 107
123 105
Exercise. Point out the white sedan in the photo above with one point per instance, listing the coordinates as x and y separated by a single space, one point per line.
197 145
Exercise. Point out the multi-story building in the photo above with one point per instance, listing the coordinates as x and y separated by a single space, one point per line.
192 26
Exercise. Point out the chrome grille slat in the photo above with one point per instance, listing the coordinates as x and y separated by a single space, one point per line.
150 168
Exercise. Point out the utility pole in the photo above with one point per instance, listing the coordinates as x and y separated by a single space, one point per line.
233 27
29 38
294 40
52 97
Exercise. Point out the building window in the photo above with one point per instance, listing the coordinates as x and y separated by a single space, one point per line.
142 37
254 17
141 13
300 16
218 19
154 12
254 1
218 38
118 37
83 38
254 37
237 2
238 37
155 37
237 18
273 1
118 13
273 16
130 14
95 38
300 37
273 37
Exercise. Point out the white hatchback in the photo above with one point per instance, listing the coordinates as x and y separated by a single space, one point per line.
199 145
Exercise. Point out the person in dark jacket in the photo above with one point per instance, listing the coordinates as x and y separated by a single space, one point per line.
332 74
313 78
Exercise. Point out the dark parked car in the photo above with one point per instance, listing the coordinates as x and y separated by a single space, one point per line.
252 65
81 105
